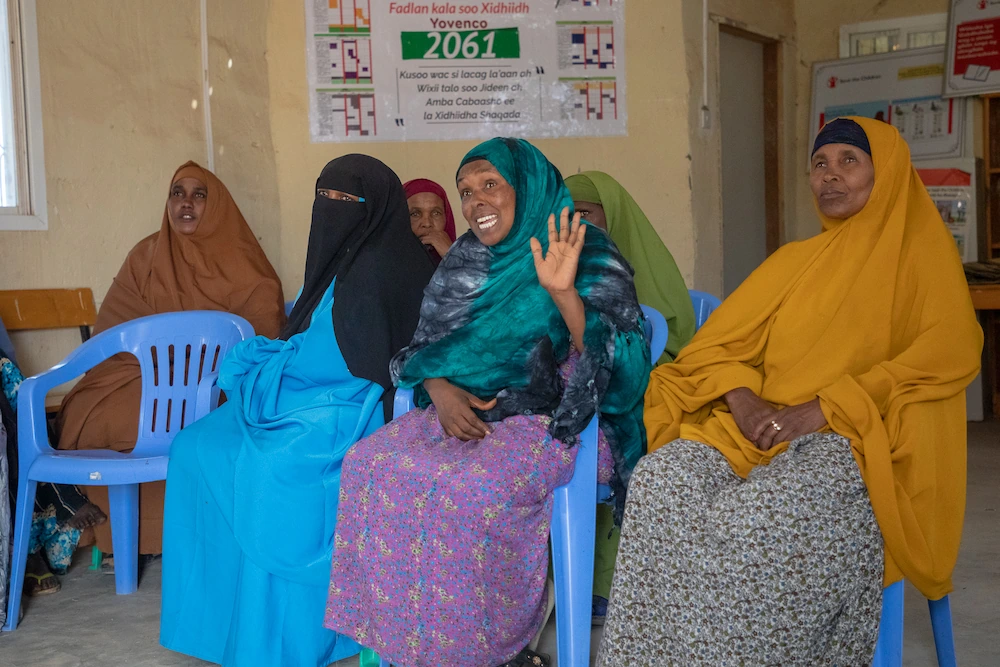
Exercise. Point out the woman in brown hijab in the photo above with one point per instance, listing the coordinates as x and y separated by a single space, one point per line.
205 257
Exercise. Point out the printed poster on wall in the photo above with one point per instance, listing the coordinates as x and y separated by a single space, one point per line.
382 70
902 88
973 48
950 184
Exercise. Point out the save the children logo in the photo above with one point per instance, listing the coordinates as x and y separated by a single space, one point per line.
832 83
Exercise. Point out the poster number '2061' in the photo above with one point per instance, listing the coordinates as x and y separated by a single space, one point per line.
461 45
453 41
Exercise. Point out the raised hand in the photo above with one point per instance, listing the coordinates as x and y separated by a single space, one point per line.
557 268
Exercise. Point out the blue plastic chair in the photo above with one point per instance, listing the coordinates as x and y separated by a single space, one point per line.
574 522
889 649
173 396
288 307
656 332
704 305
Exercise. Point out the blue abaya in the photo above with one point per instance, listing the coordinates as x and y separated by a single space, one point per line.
251 503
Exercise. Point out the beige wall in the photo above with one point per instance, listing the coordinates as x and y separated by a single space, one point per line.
651 161
818 30
119 78
117 83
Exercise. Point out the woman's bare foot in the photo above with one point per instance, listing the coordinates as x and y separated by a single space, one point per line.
38 580
88 516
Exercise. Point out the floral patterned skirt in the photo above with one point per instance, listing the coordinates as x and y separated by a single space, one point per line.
783 568
441 547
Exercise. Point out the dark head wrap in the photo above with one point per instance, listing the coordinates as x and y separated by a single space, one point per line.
418 185
380 266
842 131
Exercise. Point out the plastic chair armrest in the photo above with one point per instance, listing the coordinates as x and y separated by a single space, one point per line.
101 347
31 429
403 402
208 395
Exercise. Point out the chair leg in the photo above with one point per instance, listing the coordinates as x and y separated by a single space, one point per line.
124 503
574 518
889 649
944 638
22 535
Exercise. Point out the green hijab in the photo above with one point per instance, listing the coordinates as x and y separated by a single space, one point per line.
658 281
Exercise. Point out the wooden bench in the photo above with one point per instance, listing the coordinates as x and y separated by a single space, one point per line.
38 309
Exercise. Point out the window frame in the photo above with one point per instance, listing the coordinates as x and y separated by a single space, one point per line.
905 25
27 103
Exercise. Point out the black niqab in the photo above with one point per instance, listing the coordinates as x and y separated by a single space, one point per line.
380 266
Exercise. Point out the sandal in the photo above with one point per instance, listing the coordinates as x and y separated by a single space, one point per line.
36 589
527 658
108 562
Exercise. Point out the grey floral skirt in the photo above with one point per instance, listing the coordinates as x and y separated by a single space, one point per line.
783 568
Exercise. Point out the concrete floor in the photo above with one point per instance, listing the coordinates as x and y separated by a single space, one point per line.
87 625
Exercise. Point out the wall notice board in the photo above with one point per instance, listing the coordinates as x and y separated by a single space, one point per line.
903 88
465 69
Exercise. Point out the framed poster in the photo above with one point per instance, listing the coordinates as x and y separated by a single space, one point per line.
973 64
952 186
382 70
902 88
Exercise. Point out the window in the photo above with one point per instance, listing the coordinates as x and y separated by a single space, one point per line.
22 173
913 32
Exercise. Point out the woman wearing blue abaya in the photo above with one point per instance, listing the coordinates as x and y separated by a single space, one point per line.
252 489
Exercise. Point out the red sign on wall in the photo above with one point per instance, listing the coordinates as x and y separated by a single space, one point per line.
977 45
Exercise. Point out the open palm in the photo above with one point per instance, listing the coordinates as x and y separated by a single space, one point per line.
556 269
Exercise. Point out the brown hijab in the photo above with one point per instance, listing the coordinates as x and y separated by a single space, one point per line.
218 267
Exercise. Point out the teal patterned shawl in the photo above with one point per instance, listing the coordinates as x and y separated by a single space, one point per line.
489 327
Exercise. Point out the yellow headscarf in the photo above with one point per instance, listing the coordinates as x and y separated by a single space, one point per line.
874 317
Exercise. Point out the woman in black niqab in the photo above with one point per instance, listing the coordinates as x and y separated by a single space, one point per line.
361 236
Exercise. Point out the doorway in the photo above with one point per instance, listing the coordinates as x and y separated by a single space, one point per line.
750 110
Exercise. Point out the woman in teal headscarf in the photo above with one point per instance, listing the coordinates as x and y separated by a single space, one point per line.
604 203
526 331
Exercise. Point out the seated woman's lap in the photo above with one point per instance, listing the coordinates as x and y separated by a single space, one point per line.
797 514
774 549
475 517
519 455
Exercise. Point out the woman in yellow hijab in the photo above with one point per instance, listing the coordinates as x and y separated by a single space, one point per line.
810 440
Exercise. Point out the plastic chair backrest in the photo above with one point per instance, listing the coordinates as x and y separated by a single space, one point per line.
288 307
704 305
657 332
196 340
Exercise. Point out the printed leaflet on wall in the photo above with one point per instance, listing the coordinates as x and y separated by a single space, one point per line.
382 70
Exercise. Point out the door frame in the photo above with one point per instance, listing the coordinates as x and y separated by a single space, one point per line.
774 192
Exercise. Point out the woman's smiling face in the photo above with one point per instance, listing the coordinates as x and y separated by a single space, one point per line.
488 201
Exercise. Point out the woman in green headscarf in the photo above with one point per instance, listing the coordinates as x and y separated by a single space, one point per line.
526 331
601 201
